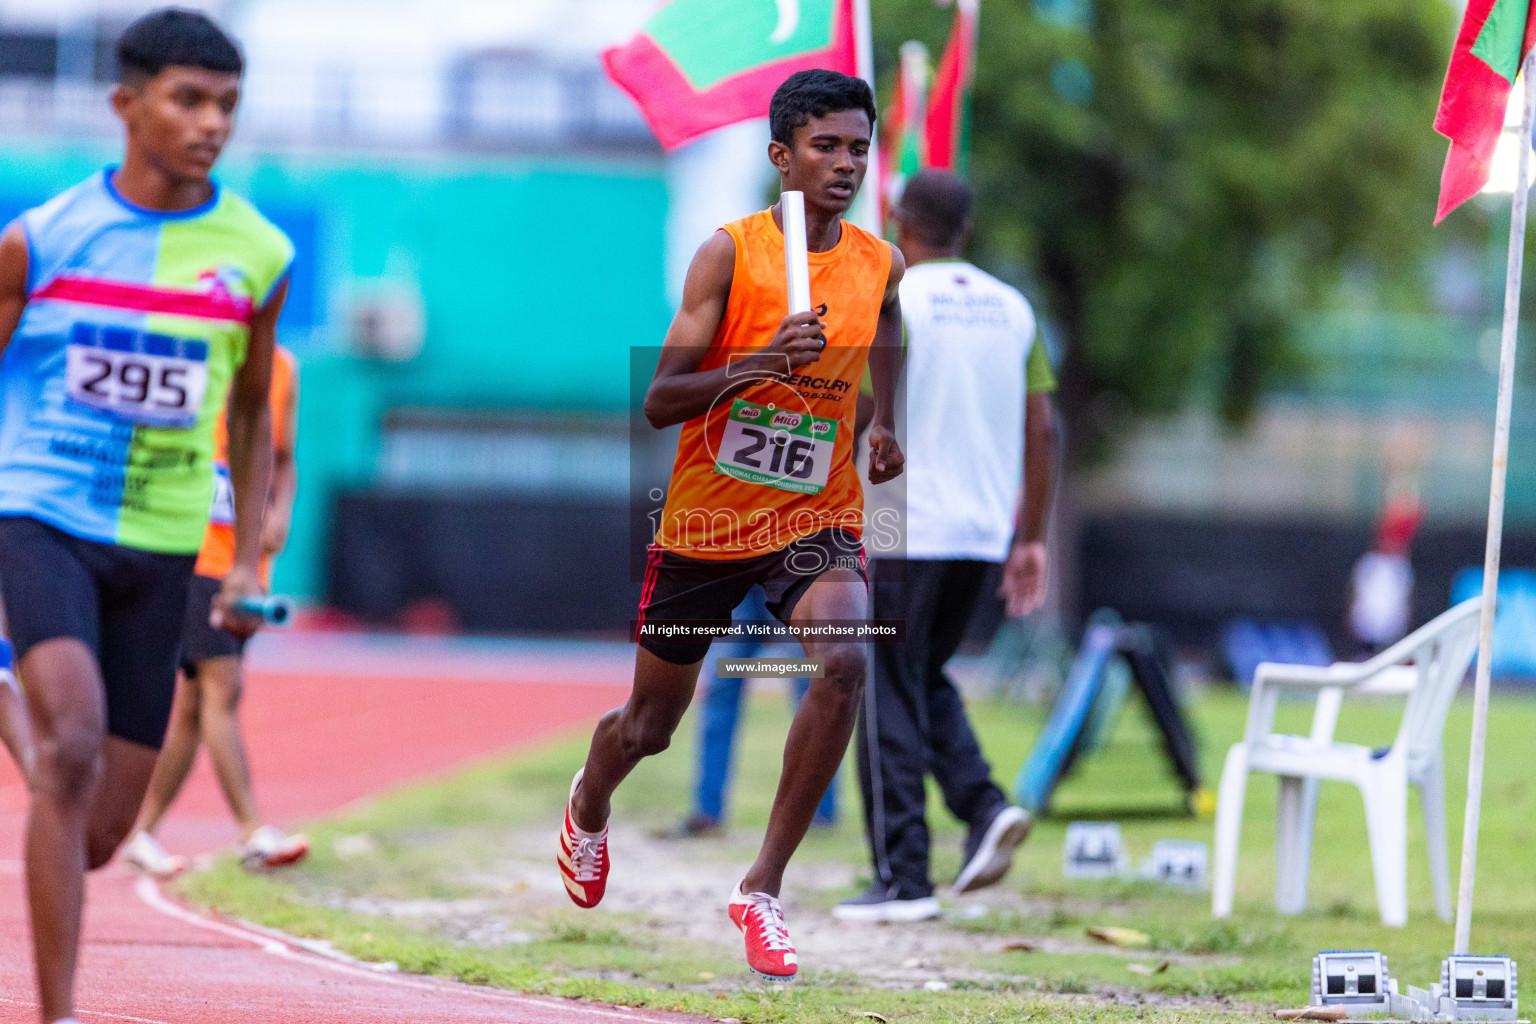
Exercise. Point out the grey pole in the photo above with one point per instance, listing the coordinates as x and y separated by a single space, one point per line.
1495 516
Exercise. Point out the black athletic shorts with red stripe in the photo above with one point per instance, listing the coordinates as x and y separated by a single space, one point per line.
679 589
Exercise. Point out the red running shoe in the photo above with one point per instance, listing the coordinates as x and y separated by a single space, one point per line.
770 954
583 861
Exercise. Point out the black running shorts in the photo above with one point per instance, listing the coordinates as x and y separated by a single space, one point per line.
682 589
126 605
201 642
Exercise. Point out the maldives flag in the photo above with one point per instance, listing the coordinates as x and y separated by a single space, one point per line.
698 65
949 104
1495 37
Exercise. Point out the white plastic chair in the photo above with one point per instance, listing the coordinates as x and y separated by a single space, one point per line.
1428 666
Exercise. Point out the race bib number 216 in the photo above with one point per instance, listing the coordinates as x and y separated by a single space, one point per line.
776 447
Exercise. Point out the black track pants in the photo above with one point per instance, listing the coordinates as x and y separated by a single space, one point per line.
913 722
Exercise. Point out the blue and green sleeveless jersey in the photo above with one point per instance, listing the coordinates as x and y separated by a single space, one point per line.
136 321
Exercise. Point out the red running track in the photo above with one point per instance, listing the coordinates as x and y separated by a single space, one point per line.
319 741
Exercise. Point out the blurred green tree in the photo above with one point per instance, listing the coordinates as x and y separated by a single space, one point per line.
1182 177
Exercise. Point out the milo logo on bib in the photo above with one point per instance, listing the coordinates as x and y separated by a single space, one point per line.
776 448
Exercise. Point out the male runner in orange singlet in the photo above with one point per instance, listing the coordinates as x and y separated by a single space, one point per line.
210 684
764 490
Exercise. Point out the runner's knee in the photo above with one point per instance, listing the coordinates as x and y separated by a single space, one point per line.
844 665
222 691
68 764
646 740
648 731
837 692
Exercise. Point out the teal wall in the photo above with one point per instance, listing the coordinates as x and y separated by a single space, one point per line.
538 276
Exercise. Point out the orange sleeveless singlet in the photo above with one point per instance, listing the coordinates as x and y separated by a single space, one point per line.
774 463
217 555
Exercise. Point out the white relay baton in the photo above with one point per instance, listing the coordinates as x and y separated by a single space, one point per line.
797 263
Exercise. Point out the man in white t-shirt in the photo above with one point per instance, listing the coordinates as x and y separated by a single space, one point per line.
981 451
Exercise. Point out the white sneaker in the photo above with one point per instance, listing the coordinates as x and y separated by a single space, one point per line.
992 854
883 905
144 852
271 847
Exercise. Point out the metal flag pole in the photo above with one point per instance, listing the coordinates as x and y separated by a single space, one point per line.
1495 514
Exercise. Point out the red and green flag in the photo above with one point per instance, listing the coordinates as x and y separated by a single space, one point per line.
1495 36
697 65
949 102
903 138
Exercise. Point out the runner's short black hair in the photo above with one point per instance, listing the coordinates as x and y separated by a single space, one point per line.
175 36
816 93
936 206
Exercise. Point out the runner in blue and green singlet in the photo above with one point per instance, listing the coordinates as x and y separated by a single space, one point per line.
130 306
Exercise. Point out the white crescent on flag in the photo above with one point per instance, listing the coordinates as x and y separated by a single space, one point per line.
789 20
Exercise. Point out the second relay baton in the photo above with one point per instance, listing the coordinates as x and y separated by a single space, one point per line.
274 610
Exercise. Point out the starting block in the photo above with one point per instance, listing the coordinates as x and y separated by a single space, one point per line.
1180 862
1356 979
1471 988
1093 850
1476 988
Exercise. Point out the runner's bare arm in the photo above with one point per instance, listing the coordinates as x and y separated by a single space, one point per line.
14 260
1026 570
285 476
249 418
885 457
680 391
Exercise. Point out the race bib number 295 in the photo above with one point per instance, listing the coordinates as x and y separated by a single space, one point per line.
152 379
777 448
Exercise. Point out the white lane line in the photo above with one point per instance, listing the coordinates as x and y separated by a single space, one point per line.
290 948
89 1013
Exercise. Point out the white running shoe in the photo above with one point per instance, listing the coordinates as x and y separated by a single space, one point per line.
989 855
885 905
145 853
271 847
